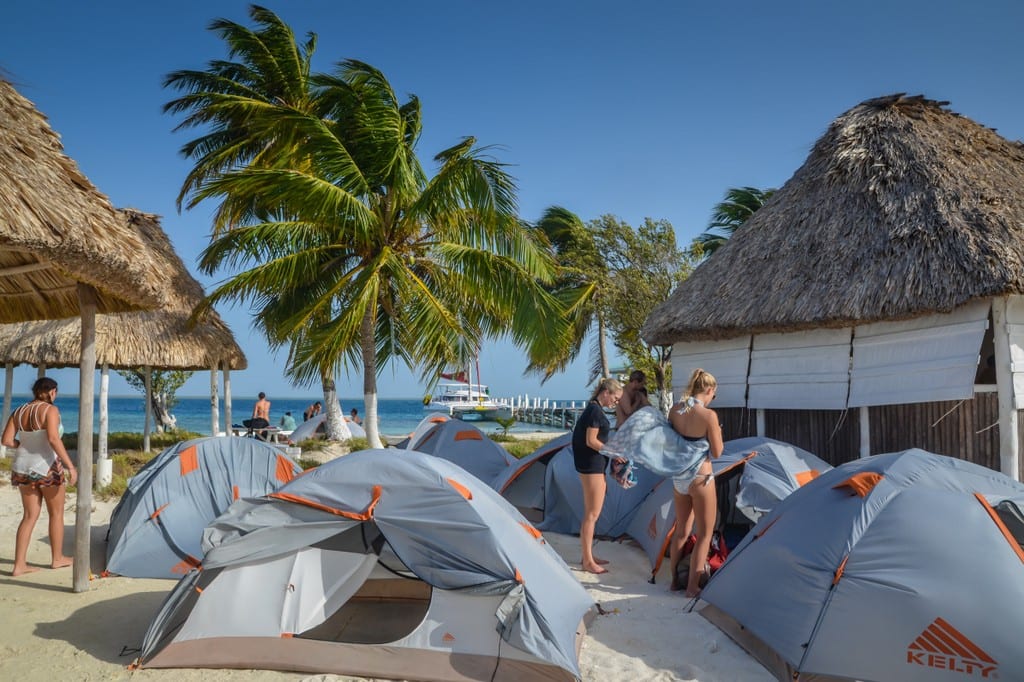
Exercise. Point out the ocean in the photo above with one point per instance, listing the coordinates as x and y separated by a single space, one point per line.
396 416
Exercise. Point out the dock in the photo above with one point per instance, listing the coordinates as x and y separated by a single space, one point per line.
544 412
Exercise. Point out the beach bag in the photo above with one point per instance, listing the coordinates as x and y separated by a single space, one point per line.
717 554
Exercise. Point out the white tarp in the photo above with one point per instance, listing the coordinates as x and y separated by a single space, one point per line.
726 360
925 359
800 371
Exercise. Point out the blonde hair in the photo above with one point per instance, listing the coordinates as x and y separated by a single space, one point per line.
610 385
700 381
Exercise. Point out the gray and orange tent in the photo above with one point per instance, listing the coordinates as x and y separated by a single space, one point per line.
905 566
156 530
768 471
465 445
383 564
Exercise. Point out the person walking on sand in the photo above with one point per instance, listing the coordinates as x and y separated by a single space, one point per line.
693 489
588 437
634 396
40 467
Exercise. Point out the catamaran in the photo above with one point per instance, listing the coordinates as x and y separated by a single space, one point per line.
465 399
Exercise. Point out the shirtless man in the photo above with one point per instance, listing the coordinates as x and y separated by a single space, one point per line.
634 396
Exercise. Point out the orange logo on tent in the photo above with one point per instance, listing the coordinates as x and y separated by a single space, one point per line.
944 647
448 637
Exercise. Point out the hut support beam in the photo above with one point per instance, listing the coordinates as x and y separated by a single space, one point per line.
86 381
104 411
760 423
147 376
1009 440
227 399
8 386
41 371
214 411
865 431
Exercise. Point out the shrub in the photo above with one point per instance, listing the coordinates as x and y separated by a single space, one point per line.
307 463
357 444
522 448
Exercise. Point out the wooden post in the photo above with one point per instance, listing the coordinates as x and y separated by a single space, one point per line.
41 370
147 378
104 411
214 408
227 399
1009 440
8 390
760 423
86 381
865 431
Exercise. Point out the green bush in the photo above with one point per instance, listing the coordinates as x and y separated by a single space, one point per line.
522 448
127 440
307 463
357 444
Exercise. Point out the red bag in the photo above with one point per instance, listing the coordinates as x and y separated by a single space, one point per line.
717 554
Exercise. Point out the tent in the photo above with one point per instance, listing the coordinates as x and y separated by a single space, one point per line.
156 529
317 426
545 487
426 424
465 445
905 566
383 564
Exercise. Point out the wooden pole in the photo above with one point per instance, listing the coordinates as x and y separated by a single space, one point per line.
86 380
760 423
104 411
214 411
227 399
147 377
865 431
41 371
1009 439
8 391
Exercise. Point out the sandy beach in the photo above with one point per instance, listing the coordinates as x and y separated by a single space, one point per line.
48 631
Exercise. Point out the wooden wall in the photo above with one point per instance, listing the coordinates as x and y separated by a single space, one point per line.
966 429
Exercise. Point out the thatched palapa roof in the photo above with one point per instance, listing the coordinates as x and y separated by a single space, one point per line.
902 209
161 338
56 229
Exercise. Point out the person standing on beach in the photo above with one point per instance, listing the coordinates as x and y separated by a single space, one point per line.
40 467
311 411
588 437
634 396
693 490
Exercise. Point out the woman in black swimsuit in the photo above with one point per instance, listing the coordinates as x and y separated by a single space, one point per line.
588 437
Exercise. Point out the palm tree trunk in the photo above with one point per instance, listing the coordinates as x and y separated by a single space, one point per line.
370 380
335 426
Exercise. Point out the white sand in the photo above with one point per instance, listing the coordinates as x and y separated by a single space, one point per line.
48 631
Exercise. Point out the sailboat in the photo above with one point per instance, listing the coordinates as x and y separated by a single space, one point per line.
460 397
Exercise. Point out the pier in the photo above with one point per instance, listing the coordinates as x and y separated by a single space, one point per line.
552 413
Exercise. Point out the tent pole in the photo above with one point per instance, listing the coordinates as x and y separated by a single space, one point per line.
227 399
1009 438
8 390
86 381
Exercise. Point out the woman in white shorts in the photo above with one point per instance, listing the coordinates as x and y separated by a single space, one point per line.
694 491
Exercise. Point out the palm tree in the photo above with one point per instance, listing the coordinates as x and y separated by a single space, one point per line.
579 285
739 204
351 254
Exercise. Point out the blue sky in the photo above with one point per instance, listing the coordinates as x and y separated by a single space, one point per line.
640 109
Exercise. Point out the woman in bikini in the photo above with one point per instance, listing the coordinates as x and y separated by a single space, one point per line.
694 489
41 465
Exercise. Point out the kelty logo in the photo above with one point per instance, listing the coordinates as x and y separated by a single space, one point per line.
943 647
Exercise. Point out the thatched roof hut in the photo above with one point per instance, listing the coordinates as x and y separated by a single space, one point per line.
873 281
162 339
903 208
56 229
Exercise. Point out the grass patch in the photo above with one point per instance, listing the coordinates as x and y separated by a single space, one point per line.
307 464
522 448
127 440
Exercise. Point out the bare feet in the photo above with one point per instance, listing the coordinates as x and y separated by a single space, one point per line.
22 570
61 562
675 586
593 568
602 562
692 594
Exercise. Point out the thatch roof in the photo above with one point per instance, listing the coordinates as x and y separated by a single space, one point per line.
162 339
56 229
902 209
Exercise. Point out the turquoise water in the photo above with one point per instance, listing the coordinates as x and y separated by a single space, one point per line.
397 417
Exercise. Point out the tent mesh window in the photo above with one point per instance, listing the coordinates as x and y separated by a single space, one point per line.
385 608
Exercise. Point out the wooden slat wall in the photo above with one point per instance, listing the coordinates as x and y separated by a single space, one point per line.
965 429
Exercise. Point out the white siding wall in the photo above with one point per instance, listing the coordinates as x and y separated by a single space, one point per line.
1015 327
800 371
726 360
926 359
